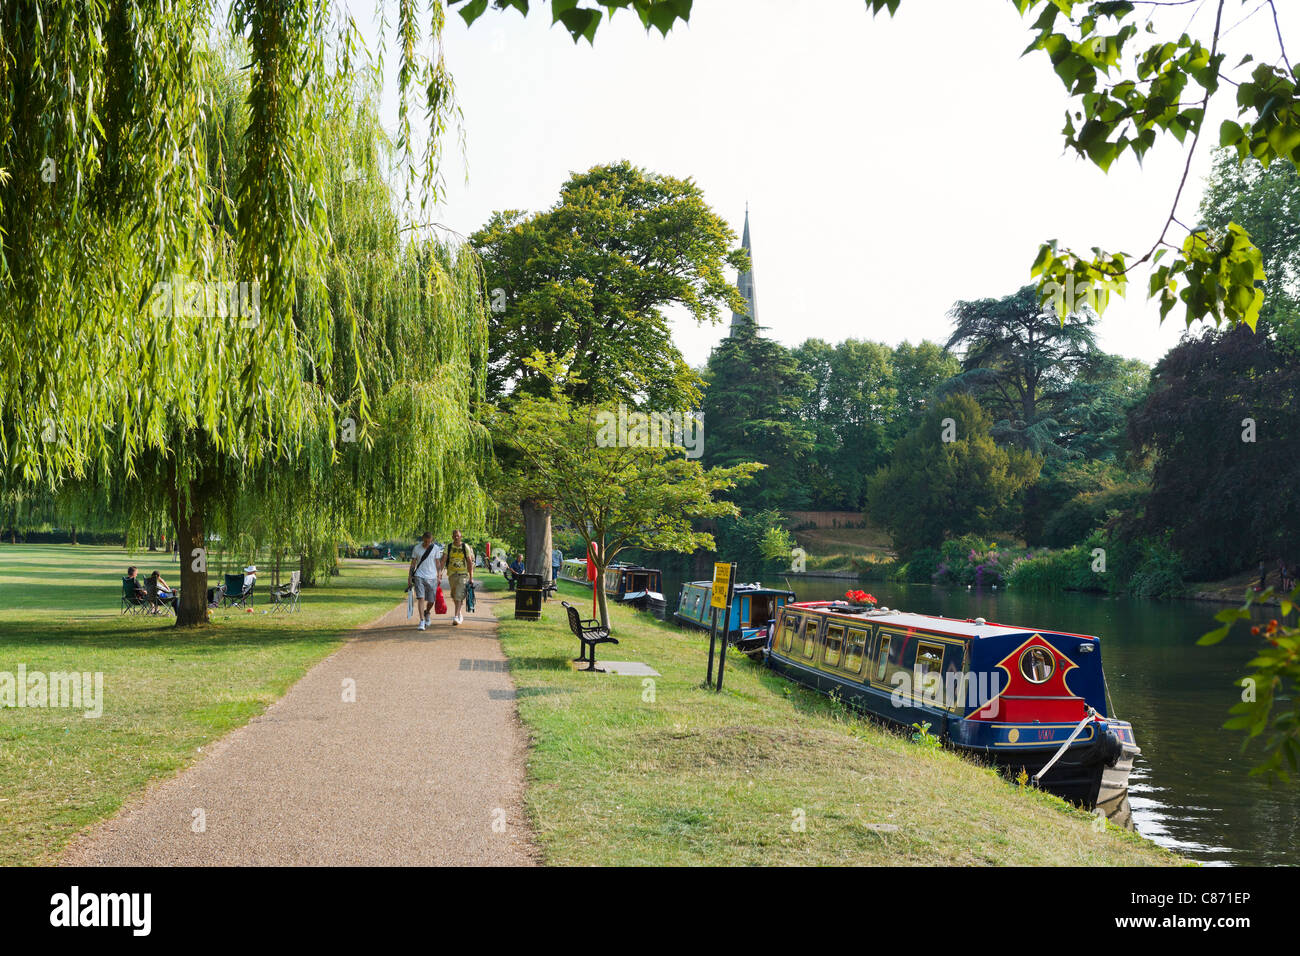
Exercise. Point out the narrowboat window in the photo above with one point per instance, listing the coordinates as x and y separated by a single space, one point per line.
929 672
787 636
810 638
882 658
834 638
1037 665
854 642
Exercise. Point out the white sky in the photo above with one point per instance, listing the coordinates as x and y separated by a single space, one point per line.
892 166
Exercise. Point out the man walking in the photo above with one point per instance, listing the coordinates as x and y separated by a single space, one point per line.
557 559
422 576
458 562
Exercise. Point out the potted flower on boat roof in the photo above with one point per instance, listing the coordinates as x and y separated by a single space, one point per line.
860 599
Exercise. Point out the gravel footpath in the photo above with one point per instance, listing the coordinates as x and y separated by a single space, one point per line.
426 767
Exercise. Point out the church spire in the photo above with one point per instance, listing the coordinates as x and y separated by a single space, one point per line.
745 283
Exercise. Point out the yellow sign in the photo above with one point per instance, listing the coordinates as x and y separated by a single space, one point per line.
721 581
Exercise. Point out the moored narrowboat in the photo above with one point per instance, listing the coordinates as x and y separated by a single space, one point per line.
1022 698
575 570
630 584
753 609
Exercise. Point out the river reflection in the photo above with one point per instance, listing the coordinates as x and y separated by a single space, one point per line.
1190 788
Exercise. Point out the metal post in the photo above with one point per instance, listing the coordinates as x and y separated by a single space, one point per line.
726 626
713 631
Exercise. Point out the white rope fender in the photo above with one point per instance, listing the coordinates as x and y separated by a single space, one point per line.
1068 740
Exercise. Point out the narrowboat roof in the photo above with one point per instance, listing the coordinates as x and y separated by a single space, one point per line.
753 587
957 627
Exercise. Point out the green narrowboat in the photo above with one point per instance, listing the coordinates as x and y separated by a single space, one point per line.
753 608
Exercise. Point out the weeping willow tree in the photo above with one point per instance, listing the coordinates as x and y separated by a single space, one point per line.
145 174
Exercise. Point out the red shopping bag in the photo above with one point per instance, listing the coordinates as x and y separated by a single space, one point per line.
439 603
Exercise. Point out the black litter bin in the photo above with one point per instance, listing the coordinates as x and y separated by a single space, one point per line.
528 596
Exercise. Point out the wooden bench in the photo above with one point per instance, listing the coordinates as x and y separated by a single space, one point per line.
589 633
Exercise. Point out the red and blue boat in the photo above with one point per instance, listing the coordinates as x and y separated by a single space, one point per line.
1021 698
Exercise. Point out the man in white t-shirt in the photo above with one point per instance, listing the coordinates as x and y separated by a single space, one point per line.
422 576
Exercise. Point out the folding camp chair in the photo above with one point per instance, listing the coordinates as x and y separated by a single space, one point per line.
285 597
236 595
154 603
133 602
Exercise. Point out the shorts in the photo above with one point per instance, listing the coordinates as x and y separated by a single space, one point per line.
458 582
426 589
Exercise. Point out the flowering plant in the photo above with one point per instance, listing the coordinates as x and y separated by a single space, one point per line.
860 597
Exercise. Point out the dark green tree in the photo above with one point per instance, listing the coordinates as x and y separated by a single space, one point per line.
948 477
918 372
1020 360
1221 419
850 403
751 413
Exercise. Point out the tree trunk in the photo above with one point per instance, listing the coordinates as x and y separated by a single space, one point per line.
537 537
192 609
73 529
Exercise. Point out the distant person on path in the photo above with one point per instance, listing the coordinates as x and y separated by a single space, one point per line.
1263 576
422 576
458 562
557 559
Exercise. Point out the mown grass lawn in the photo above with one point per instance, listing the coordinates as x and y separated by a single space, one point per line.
167 692
627 772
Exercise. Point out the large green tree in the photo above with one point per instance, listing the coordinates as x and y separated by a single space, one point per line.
1020 360
589 281
616 492
948 477
210 412
751 413
918 371
1222 417
850 404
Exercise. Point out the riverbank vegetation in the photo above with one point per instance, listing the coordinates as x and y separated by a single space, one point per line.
640 771
1093 472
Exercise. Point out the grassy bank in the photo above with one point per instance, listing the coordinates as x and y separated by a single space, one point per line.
858 550
625 772
166 693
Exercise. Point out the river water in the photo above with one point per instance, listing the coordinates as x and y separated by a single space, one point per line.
1190 788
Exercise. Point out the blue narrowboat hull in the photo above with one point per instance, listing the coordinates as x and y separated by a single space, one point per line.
1020 727
1076 777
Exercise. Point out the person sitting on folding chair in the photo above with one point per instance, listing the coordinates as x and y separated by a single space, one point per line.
135 582
164 595
134 596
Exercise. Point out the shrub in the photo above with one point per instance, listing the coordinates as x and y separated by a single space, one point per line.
920 568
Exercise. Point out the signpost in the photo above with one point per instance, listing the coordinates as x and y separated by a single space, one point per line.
724 586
